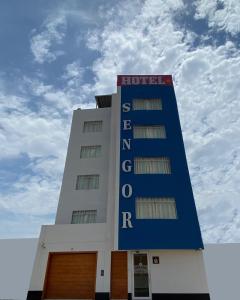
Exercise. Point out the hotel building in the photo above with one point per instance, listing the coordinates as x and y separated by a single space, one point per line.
126 224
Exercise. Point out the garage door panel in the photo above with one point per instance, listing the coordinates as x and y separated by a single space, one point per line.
71 276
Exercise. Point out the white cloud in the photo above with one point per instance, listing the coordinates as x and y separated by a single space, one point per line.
225 17
139 38
74 75
42 138
34 195
207 89
32 134
43 44
37 130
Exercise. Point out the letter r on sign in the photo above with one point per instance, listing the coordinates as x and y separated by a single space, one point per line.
126 220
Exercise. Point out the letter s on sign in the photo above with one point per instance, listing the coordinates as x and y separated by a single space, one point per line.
126 107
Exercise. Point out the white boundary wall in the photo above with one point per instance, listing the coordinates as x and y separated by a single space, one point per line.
16 263
222 264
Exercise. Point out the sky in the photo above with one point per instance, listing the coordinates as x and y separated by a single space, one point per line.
56 55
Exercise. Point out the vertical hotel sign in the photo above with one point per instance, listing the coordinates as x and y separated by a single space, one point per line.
127 188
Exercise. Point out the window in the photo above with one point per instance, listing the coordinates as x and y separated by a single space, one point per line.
152 165
156 208
149 132
84 216
147 104
90 151
87 182
92 126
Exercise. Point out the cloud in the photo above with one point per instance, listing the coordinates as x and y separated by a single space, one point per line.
44 44
74 74
221 15
141 45
18 225
34 130
38 142
26 132
207 89
135 37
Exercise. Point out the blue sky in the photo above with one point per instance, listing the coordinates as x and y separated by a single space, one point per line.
56 55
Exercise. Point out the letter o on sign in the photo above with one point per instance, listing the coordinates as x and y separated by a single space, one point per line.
127 190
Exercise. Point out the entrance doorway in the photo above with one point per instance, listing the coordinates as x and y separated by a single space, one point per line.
141 276
119 275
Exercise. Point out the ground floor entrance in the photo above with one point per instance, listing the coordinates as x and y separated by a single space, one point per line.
119 275
111 275
140 276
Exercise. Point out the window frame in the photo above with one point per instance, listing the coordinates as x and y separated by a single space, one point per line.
146 107
87 188
85 130
154 201
165 159
138 127
83 216
89 147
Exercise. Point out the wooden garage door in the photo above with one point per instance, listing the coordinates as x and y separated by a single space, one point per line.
119 275
71 276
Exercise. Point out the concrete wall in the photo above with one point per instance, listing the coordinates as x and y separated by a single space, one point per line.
177 272
16 263
222 263
72 238
70 198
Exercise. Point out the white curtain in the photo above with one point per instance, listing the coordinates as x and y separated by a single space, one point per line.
90 151
147 104
149 132
155 208
152 165
87 182
84 216
92 126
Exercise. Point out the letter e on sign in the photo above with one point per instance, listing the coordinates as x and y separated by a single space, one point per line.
127 125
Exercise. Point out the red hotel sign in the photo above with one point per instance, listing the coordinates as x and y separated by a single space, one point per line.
144 79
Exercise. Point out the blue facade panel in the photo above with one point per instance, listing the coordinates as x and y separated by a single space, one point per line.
180 233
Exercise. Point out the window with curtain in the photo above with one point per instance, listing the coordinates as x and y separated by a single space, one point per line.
92 126
84 216
87 182
156 208
90 151
147 104
152 165
149 132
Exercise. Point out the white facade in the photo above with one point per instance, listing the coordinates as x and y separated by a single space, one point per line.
178 271
70 198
